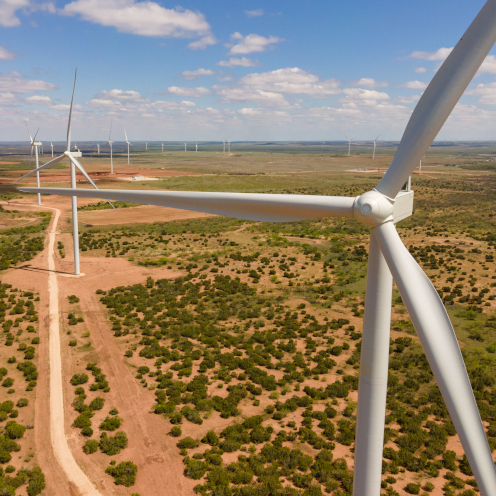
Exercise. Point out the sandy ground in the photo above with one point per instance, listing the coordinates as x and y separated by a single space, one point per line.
134 215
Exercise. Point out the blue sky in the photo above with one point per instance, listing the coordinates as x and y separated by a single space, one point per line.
280 70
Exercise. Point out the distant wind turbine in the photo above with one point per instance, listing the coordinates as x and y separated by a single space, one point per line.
196 147
162 147
74 164
185 146
349 144
51 145
35 144
228 147
375 141
98 148
146 147
128 145
109 142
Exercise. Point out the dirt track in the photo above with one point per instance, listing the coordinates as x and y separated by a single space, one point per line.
59 442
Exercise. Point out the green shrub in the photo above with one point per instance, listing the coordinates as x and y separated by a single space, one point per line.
90 446
176 431
13 430
78 379
111 423
124 473
187 443
113 445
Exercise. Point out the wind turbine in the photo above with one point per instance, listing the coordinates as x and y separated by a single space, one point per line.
380 209
228 147
162 147
51 145
98 148
35 144
185 146
375 141
128 145
74 164
196 147
146 147
349 144
224 151
109 142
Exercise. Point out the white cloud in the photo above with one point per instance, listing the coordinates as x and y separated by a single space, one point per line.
244 94
414 85
184 91
8 9
145 18
408 99
251 43
254 13
6 54
242 62
488 66
191 75
359 96
292 80
168 105
65 107
101 102
370 83
421 70
18 83
203 43
120 95
39 100
7 97
487 92
440 54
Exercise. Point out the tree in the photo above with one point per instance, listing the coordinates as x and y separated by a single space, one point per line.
124 473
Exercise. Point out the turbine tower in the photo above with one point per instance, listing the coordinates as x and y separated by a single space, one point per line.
98 148
389 202
146 147
128 145
162 147
185 146
73 164
51 145
349 144
228 147
109 142
196 147
35 144
375 141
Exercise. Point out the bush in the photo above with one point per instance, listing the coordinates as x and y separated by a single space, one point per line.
111 423
187 443
90 446
36 481
97 403
22 402
78 379
13 430
82 421
195 469
113 445
176 431
87 431
211 438
124 473
412 488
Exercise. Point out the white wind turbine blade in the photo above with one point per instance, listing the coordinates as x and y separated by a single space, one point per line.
54 161
440 98
34 139
70 115
30 138
378 137
249 206
81 169
127 141
440 345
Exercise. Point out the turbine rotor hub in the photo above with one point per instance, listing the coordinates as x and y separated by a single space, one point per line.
373 208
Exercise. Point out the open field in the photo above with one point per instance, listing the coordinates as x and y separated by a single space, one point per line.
222 356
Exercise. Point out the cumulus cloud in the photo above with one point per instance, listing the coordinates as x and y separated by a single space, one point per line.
488 66
8 9
440 54
18 83
38 100
145 18
241 62
370 83
292 80
6 54
191 75
254 13
242 45
120 95
203 43
184 91
487 92
408 99
421 70
363 97
414 85
65 107
230 94
101 102
7 97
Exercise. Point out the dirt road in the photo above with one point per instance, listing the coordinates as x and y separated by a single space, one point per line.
59 442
